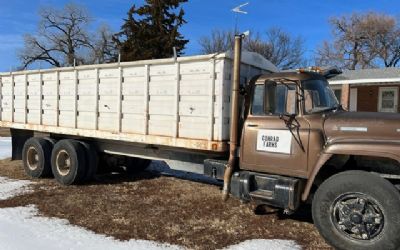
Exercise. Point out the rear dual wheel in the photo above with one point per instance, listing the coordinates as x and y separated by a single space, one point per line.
68 162
36 157
73 162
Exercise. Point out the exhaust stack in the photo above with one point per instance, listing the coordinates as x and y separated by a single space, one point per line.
234 118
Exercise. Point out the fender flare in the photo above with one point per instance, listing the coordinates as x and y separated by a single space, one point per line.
386 150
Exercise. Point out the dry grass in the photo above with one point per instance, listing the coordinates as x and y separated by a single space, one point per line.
161 208
5 132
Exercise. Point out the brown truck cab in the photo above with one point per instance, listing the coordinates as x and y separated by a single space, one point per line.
299 145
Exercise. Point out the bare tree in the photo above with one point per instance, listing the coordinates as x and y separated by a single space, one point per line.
218 41
279 47
104 49
63 39
361 41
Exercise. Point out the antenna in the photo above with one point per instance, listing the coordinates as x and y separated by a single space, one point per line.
238 11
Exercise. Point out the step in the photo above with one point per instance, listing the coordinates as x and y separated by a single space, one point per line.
262 194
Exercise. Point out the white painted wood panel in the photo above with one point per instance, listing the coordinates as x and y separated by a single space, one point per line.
187 98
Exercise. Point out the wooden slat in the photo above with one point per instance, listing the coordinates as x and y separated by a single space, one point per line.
146 99
12 98
96 93
26 99
211 94
57 98
176 100
75 109
41 98
119 98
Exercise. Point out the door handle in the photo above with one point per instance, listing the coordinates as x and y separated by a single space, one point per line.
252 125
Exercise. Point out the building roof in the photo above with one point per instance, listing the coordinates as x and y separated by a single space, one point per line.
382 75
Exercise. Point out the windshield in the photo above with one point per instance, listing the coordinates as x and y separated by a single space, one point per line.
318 97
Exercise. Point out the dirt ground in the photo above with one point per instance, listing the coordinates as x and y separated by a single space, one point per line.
4 132
162 208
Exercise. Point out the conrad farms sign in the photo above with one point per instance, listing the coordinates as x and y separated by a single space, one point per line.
276 141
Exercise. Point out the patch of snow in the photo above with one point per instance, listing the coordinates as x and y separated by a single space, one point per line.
261 244
5 147
10 188
21 228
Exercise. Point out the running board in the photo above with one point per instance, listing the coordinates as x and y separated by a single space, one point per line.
262 195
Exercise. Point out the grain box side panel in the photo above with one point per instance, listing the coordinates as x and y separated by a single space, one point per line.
66 102
195 98
6 100
133 108
50 99
19 98
162 87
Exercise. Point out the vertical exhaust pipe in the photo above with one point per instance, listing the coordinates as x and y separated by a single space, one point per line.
234 118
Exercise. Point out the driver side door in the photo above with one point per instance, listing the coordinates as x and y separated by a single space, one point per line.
275 138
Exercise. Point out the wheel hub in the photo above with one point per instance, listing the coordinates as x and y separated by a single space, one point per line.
63 163
357 216
32 158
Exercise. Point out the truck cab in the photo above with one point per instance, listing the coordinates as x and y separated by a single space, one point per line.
279 121
299 145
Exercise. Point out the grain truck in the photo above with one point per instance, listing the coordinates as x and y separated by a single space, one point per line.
275 138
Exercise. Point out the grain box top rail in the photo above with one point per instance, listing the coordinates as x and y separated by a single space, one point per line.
249 58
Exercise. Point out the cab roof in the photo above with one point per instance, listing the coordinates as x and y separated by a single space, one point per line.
290 75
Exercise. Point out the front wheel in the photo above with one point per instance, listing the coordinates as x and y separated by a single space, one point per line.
358 210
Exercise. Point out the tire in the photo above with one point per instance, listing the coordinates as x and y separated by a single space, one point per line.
351 200
68 162
51 140
135 165
36 157
91 160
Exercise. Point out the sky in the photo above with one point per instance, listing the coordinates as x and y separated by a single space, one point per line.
307 18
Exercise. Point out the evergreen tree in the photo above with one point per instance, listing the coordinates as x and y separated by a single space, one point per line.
151 31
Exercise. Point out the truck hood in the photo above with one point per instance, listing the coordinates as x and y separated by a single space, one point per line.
362 126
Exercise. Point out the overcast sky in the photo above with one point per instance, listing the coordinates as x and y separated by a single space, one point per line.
307 18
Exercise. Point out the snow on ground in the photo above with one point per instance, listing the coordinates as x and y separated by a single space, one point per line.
260 244
21 228
10 188
5 147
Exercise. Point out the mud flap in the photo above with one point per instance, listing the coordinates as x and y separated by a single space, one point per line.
18 139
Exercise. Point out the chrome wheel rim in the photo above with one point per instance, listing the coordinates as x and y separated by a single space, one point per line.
357 216
63 162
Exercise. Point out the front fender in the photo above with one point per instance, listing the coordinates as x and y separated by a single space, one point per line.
386 149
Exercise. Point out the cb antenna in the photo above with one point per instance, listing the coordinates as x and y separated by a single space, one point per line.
238 11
